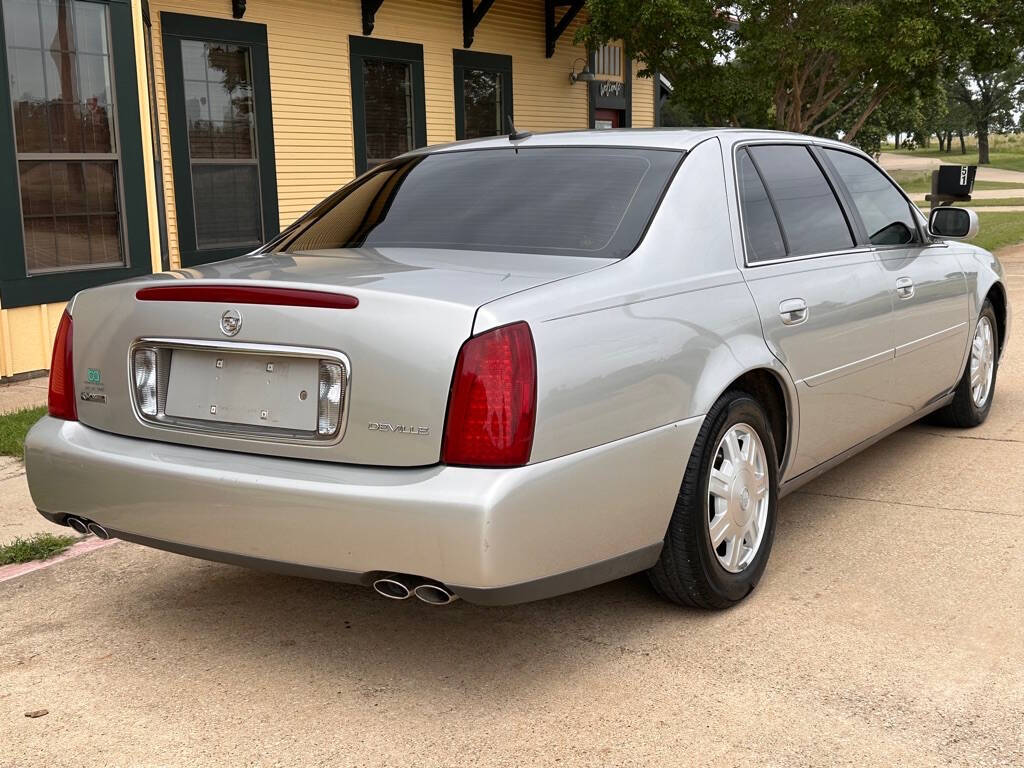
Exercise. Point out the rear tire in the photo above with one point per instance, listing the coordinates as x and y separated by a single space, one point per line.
693 570
977 387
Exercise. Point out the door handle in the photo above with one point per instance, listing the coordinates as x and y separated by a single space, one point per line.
793 311
905 288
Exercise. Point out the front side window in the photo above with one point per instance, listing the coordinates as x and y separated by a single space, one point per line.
593 201
220 119
812 220
59 57
885 212
483 94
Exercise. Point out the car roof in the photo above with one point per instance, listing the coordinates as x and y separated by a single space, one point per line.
649 138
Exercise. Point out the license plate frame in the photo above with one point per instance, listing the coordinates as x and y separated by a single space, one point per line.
263 432
263 391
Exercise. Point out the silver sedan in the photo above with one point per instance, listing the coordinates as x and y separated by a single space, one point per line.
507 369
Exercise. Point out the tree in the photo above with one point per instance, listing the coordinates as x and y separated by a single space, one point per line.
990 99
812 66
989 69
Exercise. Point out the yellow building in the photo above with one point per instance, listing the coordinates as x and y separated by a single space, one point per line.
138 136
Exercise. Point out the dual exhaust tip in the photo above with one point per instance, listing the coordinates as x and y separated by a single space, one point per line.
85 527
398 586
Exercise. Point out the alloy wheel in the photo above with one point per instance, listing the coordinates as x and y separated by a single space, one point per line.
738 498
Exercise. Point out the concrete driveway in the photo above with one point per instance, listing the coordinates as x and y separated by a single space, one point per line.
888 631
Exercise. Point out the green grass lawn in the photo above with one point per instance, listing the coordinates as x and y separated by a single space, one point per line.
38 547
998 230
14 427
982 203
918 182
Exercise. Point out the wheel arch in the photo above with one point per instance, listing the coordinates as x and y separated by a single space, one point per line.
769 389
997 295
749 366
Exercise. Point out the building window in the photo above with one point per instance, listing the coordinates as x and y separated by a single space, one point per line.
58 56
73 197
483 94
218 97
388 110
222 144
608 60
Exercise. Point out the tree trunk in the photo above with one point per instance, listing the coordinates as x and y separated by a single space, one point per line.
983 158
897 139
942 141
949 142
963 144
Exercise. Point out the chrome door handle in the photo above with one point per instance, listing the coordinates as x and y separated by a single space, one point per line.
905 288
793 311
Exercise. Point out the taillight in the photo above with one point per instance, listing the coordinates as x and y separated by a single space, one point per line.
61 401
492 406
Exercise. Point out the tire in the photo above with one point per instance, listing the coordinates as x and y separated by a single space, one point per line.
690 570
965 410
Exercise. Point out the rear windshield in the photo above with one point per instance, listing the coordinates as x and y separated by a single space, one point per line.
580 201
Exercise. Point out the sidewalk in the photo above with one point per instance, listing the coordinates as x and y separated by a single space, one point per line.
30 393
893 162
18 516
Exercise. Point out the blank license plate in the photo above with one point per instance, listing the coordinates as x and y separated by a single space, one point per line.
256 390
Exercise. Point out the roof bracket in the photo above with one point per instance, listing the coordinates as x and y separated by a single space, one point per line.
552 29
370 8
471 18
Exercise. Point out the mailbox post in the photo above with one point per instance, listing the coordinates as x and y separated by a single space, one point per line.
952 184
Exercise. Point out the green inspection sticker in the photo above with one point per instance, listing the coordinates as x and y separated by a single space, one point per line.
93 375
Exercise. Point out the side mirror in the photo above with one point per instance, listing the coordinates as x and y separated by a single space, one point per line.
953 223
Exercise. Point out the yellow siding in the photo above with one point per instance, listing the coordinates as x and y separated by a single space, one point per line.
26 335
643 100
311 92
312 104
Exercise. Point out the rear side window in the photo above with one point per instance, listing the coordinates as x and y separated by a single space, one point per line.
576 201
760 227
884 211
811 219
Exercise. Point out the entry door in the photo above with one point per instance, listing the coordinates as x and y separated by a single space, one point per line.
222 143
607 118
928 285
825 304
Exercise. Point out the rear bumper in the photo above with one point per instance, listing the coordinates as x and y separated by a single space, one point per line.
493 536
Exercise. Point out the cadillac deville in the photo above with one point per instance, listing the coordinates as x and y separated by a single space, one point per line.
512 368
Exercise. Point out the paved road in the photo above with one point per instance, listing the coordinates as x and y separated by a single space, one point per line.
888 631
894 162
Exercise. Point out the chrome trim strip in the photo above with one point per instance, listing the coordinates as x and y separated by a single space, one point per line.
849 368
787 259
241 432
932 338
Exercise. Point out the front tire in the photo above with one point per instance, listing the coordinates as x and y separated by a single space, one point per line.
974 393
723 524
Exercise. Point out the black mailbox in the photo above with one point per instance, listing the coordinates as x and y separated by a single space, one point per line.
956 180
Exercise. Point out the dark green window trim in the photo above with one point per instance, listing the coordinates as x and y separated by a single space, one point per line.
489 62
412 53
17 288
177 27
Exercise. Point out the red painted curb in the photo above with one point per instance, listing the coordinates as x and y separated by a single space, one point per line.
83 547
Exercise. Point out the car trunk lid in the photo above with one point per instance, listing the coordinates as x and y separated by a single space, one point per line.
238 373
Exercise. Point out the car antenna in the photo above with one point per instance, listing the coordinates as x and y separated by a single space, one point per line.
515 135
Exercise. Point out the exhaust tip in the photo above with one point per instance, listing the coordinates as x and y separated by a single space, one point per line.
77 524
97 530
435 594
392 587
